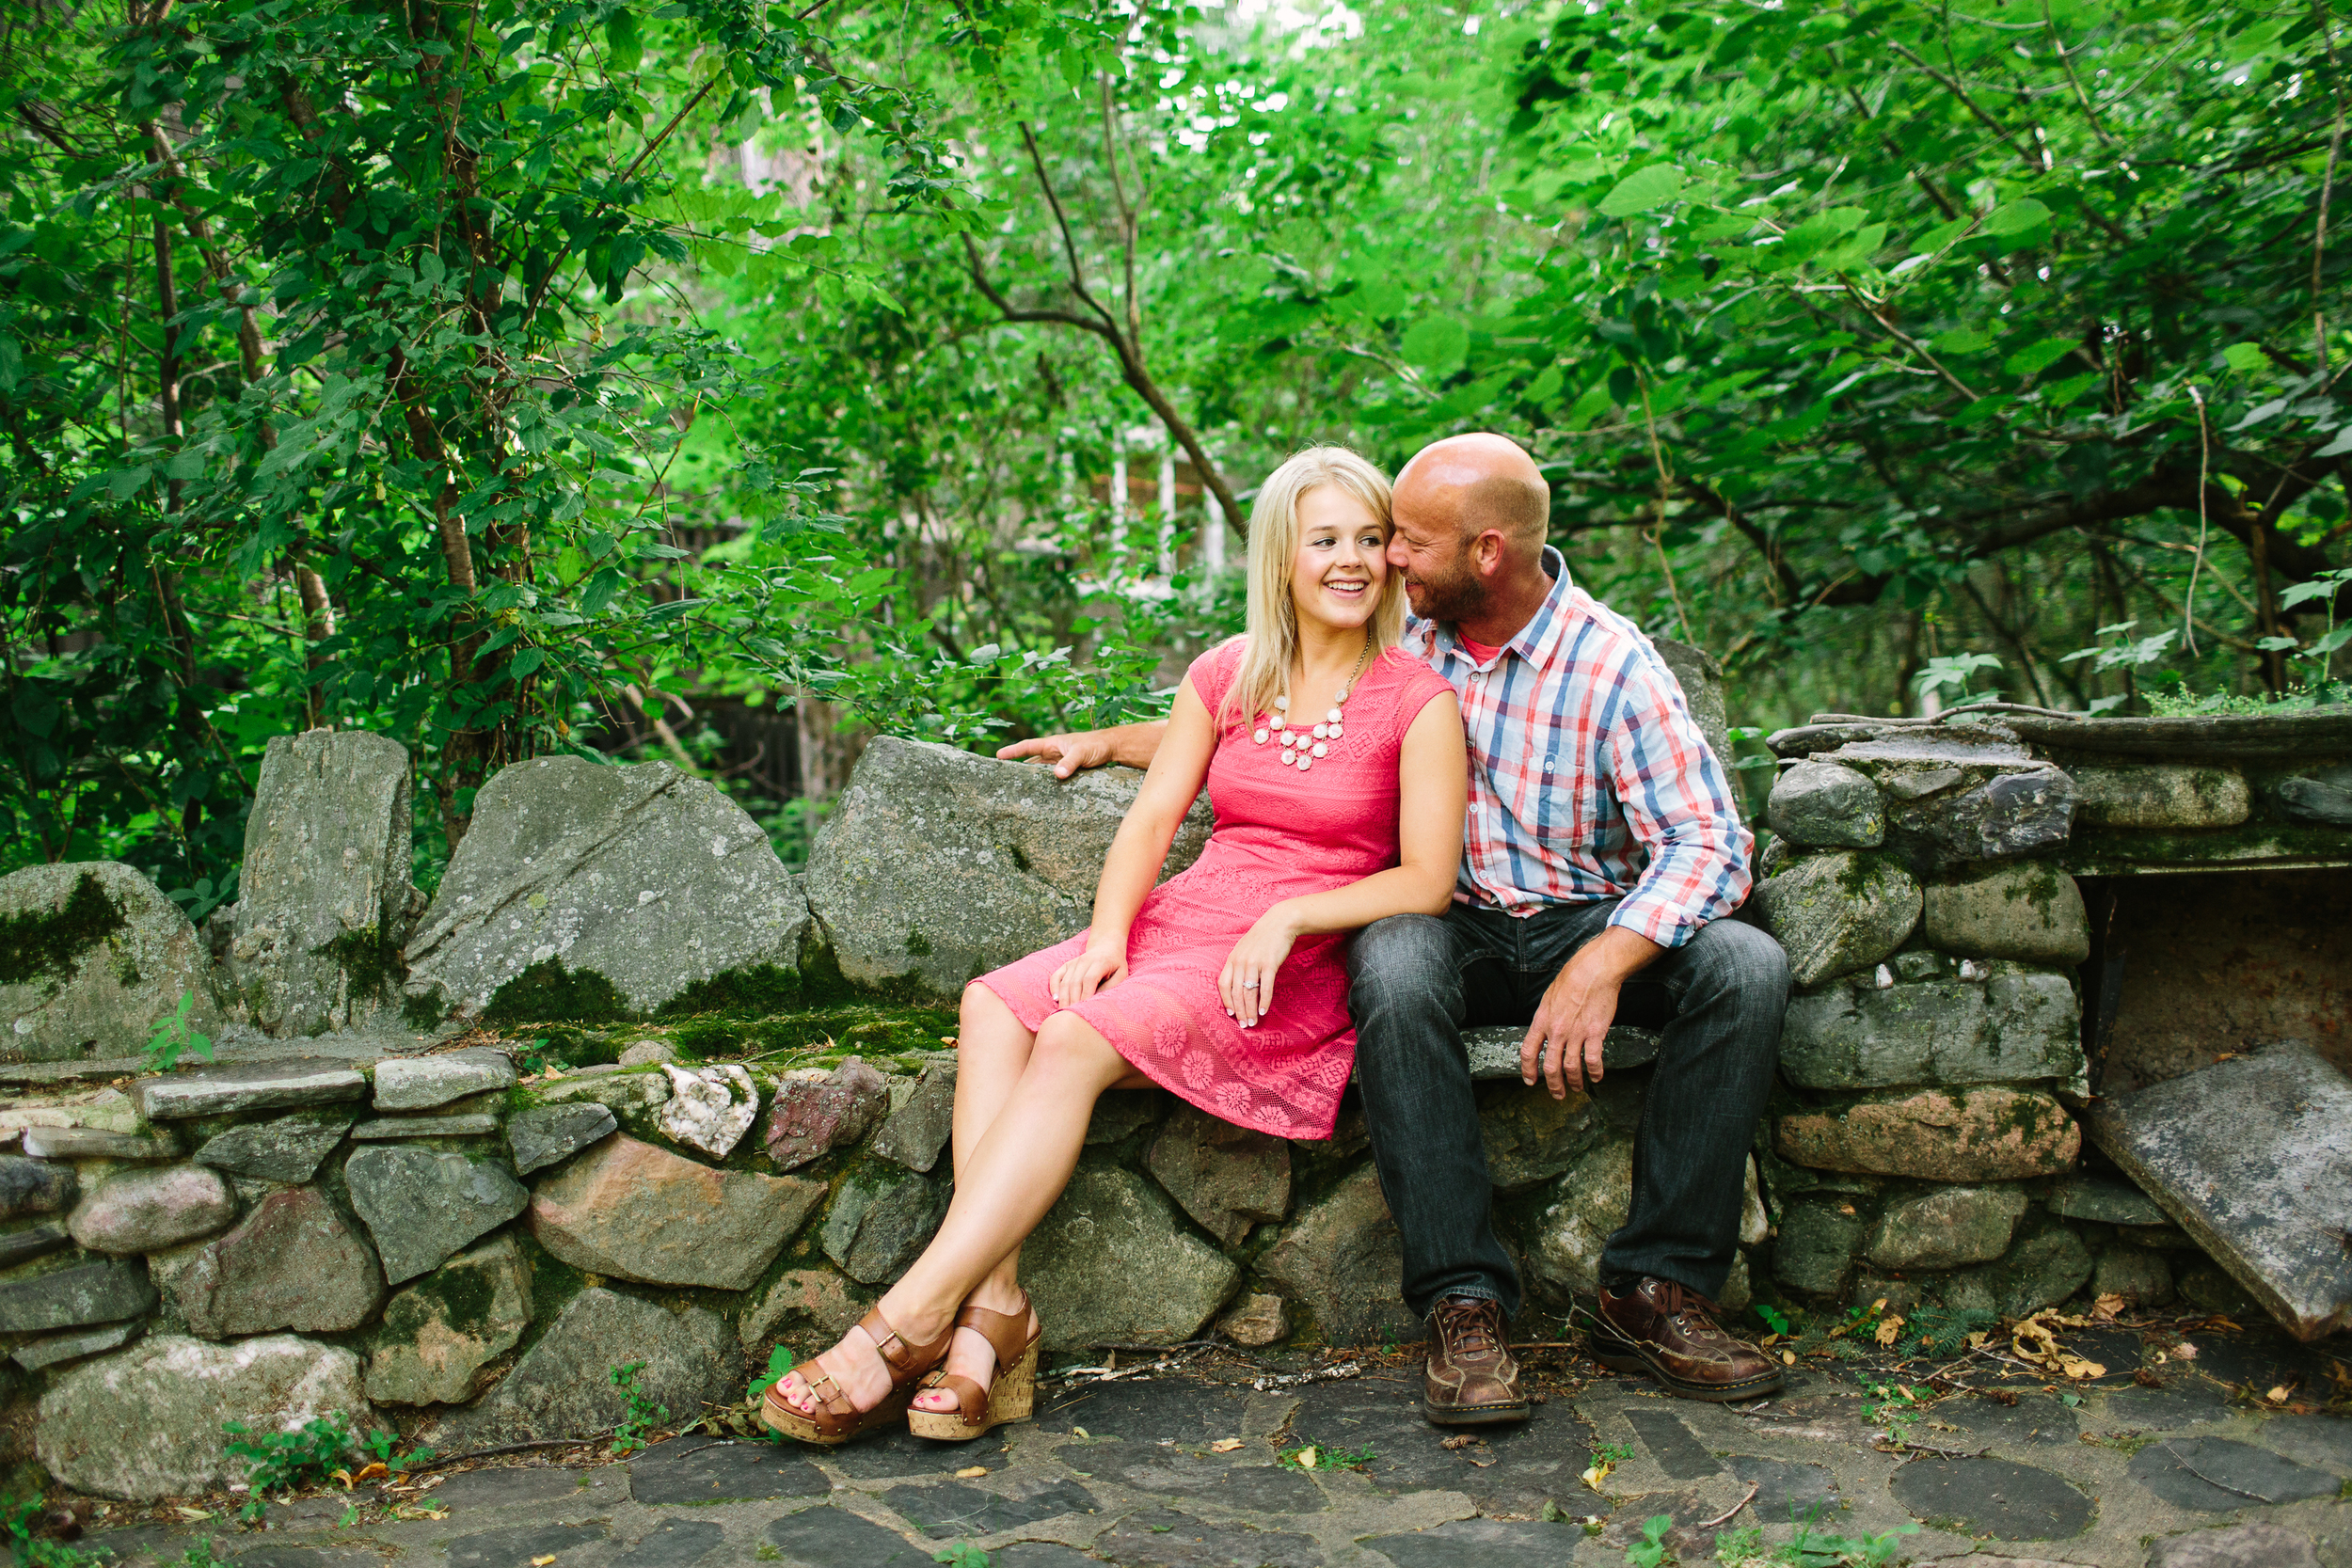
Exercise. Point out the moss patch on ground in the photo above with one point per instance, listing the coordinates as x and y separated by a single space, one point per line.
776 1041
40 942
549 993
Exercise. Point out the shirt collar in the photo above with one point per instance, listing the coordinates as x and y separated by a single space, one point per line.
1537 640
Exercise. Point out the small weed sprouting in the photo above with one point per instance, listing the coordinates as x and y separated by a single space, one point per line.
174 1034
1893 1407
962 1555
379 1447
1774 1318
1651 1551
1320 1456
322 1449
200 1555
643 1414
1745 1548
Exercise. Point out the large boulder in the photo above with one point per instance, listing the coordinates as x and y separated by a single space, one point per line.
1701 678
440 1335
618 887
91 956
1342 1259
1946 1227
1588 1202
1529 1136
2005 1025
144 1424
294 1262
1837 912
323 892
881 1221
1113 1264
421 1205
1959 794
936 866
628 1211
1989 1134
563 1387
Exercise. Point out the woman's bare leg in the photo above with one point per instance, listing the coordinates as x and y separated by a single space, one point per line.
1004 1186
993 1052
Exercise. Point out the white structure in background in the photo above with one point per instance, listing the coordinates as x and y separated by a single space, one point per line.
1118 501
1168 508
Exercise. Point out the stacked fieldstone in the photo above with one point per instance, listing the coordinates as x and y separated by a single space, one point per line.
1926 1146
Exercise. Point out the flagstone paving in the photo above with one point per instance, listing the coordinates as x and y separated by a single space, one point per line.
2158 1464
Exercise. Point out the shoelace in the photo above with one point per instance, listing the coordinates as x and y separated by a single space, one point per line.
1466 1329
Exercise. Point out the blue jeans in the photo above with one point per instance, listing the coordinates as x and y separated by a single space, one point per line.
1417 981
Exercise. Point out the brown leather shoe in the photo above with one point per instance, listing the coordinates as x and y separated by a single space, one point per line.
1669 1331
1471 1380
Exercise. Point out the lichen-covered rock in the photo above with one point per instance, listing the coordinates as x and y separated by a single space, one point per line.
2045 1265
1818 1237
70 1293
1989 1134
2032 912
294 1262
2009 1025
264 1086
2029 811
91 955
323 889
1113 1264
422 1083
441 1334
2161 795
880 1222
473 1124
1227 1177
2140 1277
542 1135
2321 799
813 1115
1827 805
1947 1227
1529 1136
284 1148
936 866
684 1355
145 1423
2105 1199
75 1345
1836 914
817 1299
629 1210
642 876
710 1108
1701 677
422 1205
615 1090
35 1186
145 1211
1341 1260
920 1129
1588 1203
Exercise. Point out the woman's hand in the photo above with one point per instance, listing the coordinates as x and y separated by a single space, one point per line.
1246 983
1096 968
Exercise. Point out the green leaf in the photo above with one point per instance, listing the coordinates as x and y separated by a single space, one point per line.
620 38
126 483
1642 191
186 464
2036 357
1436 344
2016 217
2242 357
1962 339
525 662
1596 402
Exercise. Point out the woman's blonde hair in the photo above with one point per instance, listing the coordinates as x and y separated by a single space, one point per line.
1272 622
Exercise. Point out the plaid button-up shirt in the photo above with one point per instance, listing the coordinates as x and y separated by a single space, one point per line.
1589 779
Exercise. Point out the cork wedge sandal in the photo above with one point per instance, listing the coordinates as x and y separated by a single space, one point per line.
1010 1396
836 1421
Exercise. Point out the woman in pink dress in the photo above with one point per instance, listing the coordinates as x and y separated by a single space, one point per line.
1337 768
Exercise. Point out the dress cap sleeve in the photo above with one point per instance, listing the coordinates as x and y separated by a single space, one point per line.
1212 675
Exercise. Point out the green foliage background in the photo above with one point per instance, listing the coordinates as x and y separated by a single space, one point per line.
497 373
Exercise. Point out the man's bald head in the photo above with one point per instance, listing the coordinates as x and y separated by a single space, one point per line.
1471 483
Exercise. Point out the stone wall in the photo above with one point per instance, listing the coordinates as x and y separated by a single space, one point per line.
1926 1147
627 1091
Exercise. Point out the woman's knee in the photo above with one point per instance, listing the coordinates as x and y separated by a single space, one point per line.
1069 1050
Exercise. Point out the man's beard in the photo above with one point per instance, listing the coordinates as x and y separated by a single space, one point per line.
1456 596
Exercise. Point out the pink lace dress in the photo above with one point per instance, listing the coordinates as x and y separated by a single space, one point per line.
1279 834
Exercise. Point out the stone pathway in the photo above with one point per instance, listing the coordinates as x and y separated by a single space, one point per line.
2170 1465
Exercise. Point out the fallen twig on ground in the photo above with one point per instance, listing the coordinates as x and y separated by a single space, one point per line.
422 1465
1904 1445
2201 1475
1300 1380
1753 1487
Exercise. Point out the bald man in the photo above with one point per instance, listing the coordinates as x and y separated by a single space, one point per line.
1602 853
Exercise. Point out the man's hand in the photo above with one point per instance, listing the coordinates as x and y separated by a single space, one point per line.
1564 1043
1067 753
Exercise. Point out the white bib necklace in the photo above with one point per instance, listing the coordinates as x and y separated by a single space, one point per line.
1300 747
